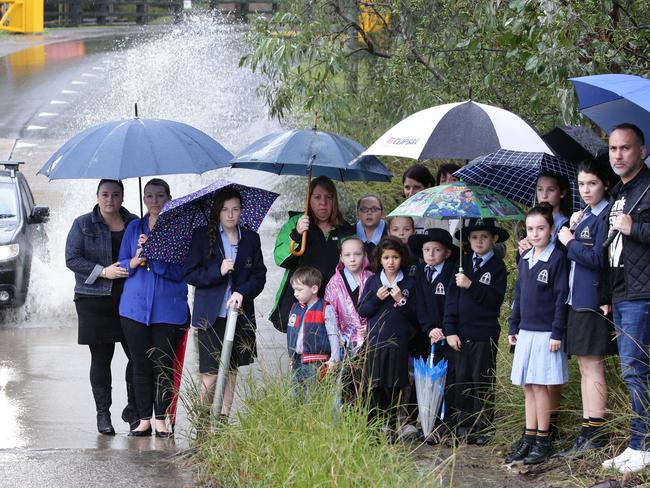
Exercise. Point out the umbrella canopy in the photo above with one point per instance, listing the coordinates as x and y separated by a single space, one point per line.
463 130
514 174
458 201
290 153
430 390
576 143
136 148
169 240
614 99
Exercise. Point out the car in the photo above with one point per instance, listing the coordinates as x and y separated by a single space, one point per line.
22 232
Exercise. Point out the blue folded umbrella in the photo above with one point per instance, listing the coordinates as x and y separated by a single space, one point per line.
430 390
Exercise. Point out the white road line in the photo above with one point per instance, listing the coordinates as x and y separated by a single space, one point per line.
20 145
58 102
35 127
47 114
76 82
68 92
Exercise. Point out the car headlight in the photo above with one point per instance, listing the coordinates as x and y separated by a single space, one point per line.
9 252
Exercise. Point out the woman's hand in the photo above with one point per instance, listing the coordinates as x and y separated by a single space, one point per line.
227 265
235 300
565 235
512 339
454 342
115 272
141 240
396 293
436 335
136 261
383 292
554 345
303 224
463 281
523 246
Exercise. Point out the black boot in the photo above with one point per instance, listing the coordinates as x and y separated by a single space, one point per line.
525 445
575 450
540 452
103 405
130 412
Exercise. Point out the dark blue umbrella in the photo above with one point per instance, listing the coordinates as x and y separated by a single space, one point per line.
614 99
169 240
514 174
311 153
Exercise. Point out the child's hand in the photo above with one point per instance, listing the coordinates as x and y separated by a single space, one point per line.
462 281
565 235
606 309
454 342
523 245
227 265
436 335
554 345
396 293
512 339
383 292
575 219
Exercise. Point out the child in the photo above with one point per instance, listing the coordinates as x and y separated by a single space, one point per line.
537 326
402 228
370 224
312 333
589 332
344 290
471 326
388 304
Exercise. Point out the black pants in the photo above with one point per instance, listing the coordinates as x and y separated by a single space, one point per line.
153 349
471 386
101 356
384 402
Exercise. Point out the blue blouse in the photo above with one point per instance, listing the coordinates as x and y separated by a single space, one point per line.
153 294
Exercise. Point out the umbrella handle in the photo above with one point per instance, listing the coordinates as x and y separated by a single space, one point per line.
303 246
303 242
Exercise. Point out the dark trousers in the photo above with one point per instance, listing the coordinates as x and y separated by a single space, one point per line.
471 385
153 349
384 402
101 356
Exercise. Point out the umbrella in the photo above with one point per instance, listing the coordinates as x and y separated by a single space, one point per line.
575 143
463 130
169 240
311 153
430 390
514 174
136 148
614 99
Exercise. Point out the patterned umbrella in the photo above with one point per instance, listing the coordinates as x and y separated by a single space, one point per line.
514 174
169 240
458 201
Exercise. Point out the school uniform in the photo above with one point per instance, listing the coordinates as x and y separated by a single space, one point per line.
369 244
473 314
589 332
538 315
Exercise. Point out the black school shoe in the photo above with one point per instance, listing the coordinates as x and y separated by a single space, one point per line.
522 451
574 449
540 452
582 446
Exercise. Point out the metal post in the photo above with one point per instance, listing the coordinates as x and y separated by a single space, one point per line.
224 362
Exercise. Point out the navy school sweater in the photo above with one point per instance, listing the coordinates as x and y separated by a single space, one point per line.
430 305
540 296
473 313
388 326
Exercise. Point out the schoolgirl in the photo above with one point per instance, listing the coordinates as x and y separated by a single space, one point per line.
537 328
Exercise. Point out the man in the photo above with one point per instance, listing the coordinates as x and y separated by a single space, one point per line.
629 259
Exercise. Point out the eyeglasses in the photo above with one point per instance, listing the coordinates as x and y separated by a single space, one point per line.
369 209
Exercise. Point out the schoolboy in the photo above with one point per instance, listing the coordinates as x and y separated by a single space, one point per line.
471 328
370 226
312 332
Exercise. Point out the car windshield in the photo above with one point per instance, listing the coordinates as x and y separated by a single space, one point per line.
8 201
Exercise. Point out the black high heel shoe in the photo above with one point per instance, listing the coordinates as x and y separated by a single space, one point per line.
141 433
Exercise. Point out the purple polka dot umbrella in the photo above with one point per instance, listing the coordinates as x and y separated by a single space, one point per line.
169 240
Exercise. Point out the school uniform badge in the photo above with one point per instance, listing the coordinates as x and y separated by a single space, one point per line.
542 277
585 233
440 289
292 319
249 262
486 278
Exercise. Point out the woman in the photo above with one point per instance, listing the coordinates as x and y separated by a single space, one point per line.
325 227
91 251
225 265
154 315
589 332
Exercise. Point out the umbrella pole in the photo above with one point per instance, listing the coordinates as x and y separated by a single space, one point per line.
460 260
140 190
224 362
303 243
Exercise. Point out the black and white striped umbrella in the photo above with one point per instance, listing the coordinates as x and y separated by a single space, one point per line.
463 130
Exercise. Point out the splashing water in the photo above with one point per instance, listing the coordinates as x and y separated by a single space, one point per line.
187 73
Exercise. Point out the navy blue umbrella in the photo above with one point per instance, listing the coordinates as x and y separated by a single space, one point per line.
614 99
514 174
311 153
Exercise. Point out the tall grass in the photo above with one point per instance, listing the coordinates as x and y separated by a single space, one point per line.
279 440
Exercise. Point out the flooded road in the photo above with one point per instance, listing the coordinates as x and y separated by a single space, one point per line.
50 92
